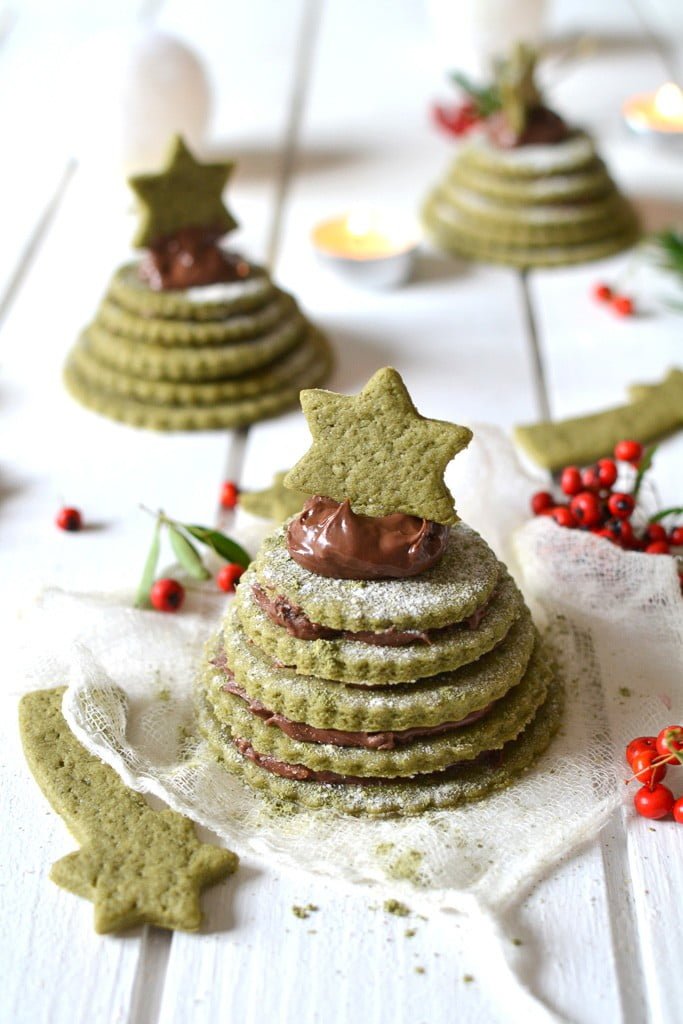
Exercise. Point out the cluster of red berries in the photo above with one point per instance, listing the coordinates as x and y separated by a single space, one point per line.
167 595
457 118
649 758
621 304
595 505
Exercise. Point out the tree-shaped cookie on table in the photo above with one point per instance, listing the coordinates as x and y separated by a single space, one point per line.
528 189
378 659
192 335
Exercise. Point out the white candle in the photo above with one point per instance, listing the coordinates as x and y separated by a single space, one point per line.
656 113
369 246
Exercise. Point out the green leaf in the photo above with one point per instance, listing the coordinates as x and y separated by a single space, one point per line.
187 554
645 464
222 545
673 511
486 98
149 571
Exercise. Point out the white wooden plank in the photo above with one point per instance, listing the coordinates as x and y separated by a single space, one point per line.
591 357
446 334
53 451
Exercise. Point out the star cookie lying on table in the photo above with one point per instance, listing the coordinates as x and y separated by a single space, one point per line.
138 866
378 659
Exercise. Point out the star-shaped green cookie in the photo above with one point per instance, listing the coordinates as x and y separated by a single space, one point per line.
276 502
185 194
138 866
654 411
377 450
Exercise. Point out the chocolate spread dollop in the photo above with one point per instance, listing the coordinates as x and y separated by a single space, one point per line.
543 127
330 539
190 258
387 740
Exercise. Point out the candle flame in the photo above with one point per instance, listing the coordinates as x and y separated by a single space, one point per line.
668 102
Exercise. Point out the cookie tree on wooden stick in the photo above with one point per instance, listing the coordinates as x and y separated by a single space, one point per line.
192 336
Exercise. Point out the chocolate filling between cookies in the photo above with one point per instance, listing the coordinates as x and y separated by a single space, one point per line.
190 258
300 773
387 740
291 617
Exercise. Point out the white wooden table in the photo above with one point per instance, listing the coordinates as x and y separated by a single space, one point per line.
323 104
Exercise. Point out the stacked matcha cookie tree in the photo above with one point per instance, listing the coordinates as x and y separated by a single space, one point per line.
378 659
192 336
529 191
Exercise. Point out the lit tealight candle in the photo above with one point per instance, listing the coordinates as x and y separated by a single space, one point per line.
372 247
657 113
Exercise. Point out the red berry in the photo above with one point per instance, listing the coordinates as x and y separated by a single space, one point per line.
540 501
563 517
670 739
69 519
570 481
676 537
228 576
606 533
655 532
456 119
677 810
621 505
590 479
602 292
167 595
586 509
623 305
229 494
657 547
644 770
654 803
628 451
607 472
639 744
624 531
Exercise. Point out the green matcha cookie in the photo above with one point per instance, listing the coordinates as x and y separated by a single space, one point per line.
378 451
430 753
138 866
173 333
459 584
446 236
184 194
574 154
275 502
193 363
208 302
592 183
236 413
352 661
654 413
285 371
460 785
324 704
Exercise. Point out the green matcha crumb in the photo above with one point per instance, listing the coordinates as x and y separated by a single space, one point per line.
410 932
517 942
397 908
304 912
467 978
419 970
164 693
624 691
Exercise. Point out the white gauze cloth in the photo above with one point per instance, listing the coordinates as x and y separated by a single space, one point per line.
615 617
